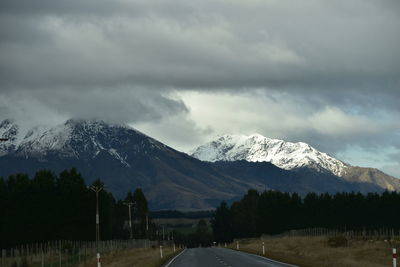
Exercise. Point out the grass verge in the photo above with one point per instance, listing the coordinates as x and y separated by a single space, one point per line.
319 252
140 257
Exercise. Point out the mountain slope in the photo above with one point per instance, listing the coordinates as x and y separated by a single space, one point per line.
299 157
275 178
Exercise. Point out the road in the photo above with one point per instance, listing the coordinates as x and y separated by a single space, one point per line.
221 257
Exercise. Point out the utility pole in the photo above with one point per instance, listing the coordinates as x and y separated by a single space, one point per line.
97 189
147 225
147 222
129 204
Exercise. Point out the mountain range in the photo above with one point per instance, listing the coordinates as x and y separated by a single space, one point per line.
124 158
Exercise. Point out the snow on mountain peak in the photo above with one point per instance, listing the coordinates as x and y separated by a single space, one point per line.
75 138
258 148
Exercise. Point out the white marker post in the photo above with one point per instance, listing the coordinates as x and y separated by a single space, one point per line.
263 246
225 245
98 260
161 252
394 258
237 245
174 247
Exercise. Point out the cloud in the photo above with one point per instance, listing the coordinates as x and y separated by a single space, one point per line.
281 115
110 104
218 44
324 72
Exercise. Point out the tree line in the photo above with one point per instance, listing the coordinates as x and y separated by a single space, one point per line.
273 212
62 207
49 207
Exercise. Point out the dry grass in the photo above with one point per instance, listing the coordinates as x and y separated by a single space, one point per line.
140 257
315 251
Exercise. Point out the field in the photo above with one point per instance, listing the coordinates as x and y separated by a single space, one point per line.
138 257
143 257
323 251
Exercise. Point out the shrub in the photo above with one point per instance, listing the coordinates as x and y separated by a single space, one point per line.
337 241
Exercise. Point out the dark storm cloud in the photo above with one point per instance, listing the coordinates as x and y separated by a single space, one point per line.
205 44
112 104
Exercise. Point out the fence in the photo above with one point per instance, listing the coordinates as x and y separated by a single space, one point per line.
65 253
382 234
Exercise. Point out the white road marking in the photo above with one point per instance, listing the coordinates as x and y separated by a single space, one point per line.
169 263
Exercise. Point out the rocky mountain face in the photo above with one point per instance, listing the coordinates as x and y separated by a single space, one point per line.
9 131
125 159
299 157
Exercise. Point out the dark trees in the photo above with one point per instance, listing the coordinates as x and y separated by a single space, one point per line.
222 224
274 212
50 207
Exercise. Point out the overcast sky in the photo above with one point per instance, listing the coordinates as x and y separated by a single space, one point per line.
322 72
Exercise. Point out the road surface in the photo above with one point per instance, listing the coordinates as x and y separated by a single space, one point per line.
220 257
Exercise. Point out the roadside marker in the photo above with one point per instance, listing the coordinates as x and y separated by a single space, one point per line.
394 258
98 260
263 248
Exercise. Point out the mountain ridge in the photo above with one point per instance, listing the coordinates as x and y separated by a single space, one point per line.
289 156
125 158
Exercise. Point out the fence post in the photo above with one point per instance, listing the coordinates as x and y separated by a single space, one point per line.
394 258
66 258
18 258
3 257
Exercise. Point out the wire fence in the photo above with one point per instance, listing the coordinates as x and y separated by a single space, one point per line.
66 253
378 234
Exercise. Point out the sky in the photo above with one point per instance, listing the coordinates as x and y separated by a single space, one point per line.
317 71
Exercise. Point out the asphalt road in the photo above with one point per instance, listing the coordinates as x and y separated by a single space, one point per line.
220 257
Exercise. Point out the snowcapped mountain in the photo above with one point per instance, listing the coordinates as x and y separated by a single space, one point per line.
75 139
257 148
290 156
